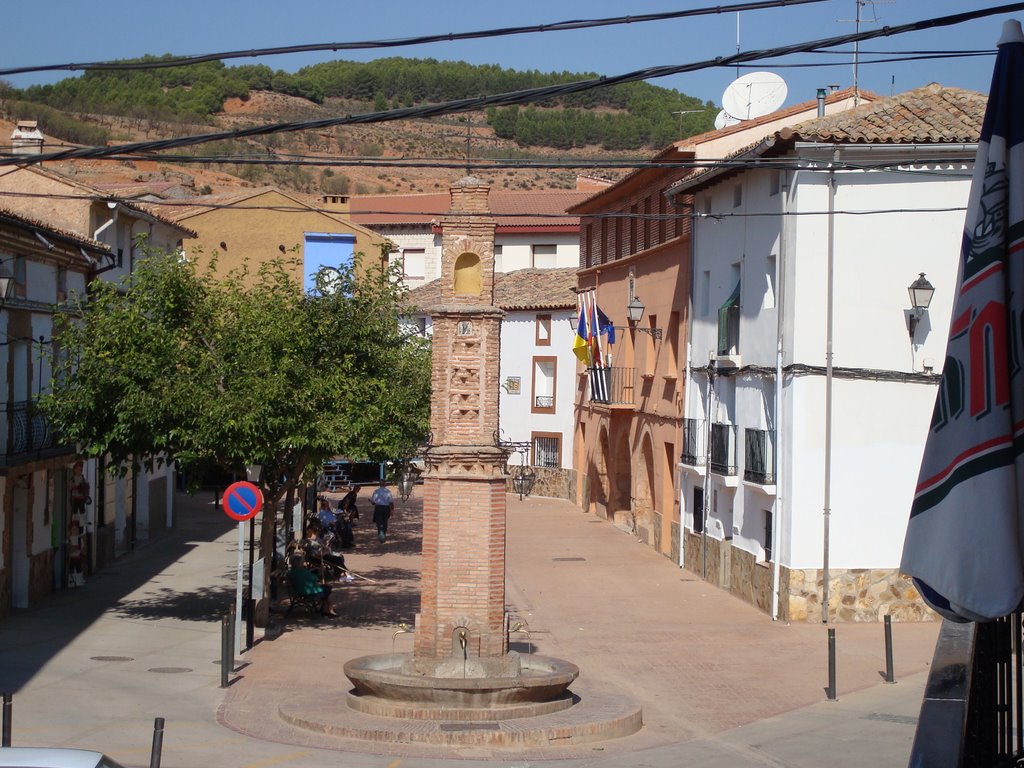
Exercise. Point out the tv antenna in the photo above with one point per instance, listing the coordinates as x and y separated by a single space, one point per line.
753 95
856 45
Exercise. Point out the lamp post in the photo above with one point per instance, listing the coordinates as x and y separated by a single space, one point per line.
921 292
524 479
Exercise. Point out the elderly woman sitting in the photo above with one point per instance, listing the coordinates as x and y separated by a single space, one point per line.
305 583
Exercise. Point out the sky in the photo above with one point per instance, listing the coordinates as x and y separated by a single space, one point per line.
75 31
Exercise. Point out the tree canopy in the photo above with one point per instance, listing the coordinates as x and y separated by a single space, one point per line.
173 364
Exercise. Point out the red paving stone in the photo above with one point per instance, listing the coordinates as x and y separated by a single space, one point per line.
698 660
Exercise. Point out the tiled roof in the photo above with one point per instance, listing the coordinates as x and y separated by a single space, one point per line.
931 114
19 219
511 209
522 289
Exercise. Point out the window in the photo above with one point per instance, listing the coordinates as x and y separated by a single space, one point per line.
62 283
543 331
543 256
547 449
414 263
698 510
707 205
633 246
647 223
662 219
544 374
705 293
768 535
729 324
769 288
737 196
774 183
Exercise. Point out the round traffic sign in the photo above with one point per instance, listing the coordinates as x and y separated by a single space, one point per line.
242 500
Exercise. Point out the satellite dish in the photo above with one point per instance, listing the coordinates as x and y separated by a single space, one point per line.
753 95
724 120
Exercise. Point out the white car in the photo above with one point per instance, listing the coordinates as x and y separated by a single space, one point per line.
46 757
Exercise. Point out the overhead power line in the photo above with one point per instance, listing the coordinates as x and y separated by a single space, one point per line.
560 26
513 97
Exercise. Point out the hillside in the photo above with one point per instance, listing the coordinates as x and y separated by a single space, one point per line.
626 122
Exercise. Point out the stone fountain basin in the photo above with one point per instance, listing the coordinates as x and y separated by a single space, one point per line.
385 680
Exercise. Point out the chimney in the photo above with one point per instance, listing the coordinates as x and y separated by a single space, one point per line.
336 203
822 92
26 138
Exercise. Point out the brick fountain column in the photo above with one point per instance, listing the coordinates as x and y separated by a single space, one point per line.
462 605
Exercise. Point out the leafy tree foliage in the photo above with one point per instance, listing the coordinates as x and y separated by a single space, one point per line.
177 365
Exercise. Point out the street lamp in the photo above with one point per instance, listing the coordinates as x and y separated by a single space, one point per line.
635 313
921 292
407 479
524 479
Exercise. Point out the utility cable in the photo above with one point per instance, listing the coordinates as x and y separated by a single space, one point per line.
509 98
560 26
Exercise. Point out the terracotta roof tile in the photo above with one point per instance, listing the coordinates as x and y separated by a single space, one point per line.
930 114
512 209
522 289
76 239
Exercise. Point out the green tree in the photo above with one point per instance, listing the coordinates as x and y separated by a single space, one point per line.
229 371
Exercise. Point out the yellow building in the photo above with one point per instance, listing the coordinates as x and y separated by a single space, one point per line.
265 224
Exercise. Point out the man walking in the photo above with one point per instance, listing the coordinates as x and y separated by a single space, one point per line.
383 505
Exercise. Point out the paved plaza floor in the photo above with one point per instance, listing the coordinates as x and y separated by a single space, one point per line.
720 684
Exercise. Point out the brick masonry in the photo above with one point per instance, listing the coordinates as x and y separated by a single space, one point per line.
462 602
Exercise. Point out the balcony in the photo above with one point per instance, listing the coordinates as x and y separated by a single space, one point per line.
544 401
612 386
723 449
26 434
759 466
693 443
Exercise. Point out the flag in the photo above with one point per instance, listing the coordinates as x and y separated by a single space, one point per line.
964 544
581 344
605 325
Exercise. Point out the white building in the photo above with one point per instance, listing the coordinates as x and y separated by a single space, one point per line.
537 369
533 231
808 396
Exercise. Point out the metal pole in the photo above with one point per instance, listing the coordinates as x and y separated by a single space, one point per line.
225 648
8 707
158 743
889 676
831 692
238 587
250 617
826 574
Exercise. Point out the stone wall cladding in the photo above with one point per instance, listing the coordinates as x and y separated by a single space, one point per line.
856 594
551 483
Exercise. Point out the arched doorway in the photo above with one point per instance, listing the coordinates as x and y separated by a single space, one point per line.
621 479
643 500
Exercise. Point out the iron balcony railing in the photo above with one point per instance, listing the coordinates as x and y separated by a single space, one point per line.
27 432
723 449
612 386
759 466
972 713
543 401
694 442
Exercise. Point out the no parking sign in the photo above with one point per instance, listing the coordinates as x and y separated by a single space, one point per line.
242 500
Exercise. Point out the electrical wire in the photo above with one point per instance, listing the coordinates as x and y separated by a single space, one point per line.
560 26
508 98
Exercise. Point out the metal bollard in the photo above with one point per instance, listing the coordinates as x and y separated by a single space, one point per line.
5 741
831 692
227 646
158 743
890 676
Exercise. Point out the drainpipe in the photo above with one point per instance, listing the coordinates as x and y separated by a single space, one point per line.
827 505
707 470
780 331
113 207
686 399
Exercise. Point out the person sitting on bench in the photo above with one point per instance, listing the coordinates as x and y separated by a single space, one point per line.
304 583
